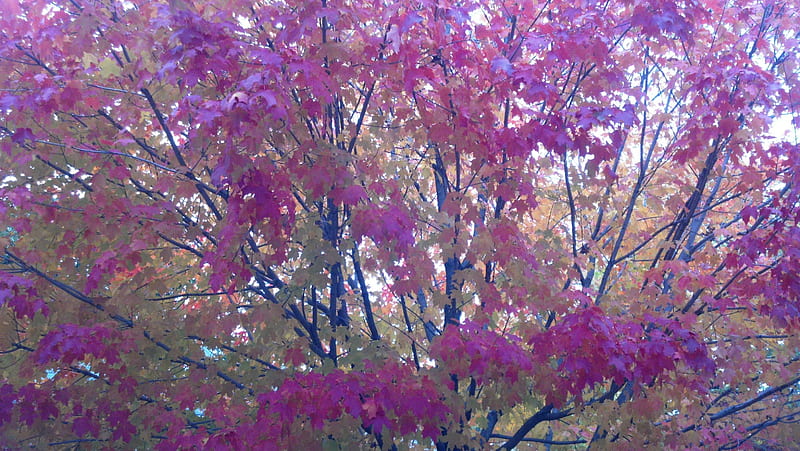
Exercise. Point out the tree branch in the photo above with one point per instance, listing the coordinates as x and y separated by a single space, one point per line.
546 413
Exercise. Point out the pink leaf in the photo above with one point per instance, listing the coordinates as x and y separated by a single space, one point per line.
21 135
501 63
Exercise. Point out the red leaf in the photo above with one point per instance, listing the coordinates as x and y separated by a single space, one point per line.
121 427
119 173
501 63
728 125
295 356
351 195
748 213
21 135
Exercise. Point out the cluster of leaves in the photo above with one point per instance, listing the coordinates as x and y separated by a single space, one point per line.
451 224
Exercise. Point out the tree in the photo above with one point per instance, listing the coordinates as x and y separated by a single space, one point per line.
343 224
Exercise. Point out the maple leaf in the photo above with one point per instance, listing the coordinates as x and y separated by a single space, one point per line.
501 63
295 356
122 428
84 425
21 135
8 398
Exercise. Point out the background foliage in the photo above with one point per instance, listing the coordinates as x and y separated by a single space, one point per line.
338 224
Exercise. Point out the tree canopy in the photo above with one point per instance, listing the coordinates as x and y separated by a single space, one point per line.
341 224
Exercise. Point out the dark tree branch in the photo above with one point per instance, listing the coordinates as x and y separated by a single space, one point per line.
362 283
543 441
546 413
766 393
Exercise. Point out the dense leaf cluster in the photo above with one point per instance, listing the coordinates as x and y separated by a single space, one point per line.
345 224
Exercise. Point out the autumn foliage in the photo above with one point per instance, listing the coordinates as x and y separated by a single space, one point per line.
344 224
